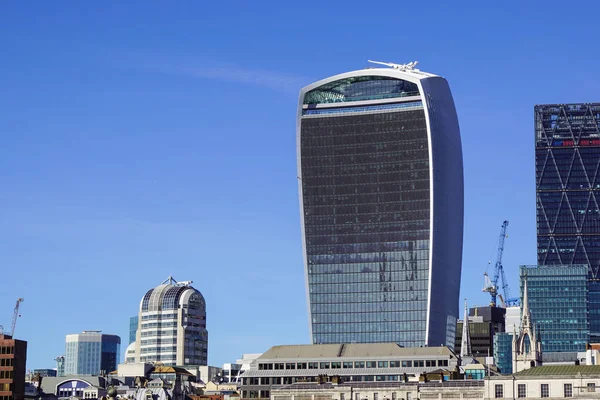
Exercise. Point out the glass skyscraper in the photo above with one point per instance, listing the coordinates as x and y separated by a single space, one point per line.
91 352
503 352
557 297
381 198
133 327
567 151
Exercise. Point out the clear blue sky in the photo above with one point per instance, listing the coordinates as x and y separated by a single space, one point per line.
149 139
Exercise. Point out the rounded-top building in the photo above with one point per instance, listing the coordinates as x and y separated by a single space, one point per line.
172 325
380 177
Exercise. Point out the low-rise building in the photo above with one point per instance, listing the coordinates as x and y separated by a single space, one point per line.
551 382
356 362
380 391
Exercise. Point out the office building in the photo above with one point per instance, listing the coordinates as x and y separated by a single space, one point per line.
484 323
133 327
503 352
512 319
354 362
91 353
381 198
60 365
567 153
172 325
13 357
558 303
45 372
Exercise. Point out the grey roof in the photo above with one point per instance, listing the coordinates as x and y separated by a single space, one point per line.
352 350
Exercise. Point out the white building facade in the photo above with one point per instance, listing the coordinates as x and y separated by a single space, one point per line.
172 325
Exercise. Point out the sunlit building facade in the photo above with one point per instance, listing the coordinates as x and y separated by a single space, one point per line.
381 198
91 353
172 325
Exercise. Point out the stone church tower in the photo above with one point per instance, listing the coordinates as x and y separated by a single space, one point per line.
526 346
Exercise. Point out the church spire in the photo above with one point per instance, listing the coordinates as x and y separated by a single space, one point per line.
465 345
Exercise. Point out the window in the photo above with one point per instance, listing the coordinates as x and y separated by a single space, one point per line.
342 396
430 363
545 390
382 364
375 396
278 365
442 363
393 395
324 365
568 390
498 391
336 365
591 387
313 365
394 364
301 365
407 363
290 365
371 364
521 390
348 364
419 363
357 396
359 364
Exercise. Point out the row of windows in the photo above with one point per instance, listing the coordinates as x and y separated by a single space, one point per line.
7 362
6 374
353 364
544 390
7 349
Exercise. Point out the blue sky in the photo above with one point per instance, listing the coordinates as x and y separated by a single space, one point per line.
141 140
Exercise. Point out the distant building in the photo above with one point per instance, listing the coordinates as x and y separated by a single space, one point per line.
133 327
45 373
356 362
13 357
60 365
558 302
172 325
567 157
503 352
91 353
232 371
512 319
380 177
484 323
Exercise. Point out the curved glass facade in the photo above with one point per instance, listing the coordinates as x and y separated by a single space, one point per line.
361 88
365 182
366 175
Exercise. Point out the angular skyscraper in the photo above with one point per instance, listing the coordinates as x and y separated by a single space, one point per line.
567 160
381 199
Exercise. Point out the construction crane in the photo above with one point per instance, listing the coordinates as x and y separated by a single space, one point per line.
491 286
15 316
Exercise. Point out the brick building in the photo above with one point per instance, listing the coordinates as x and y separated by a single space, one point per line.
13 355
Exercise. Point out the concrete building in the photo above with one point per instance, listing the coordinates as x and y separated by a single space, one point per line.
381 197
91 353
550 382
356 362
13 357
172 325
567 156
512 319
232 371
380 391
